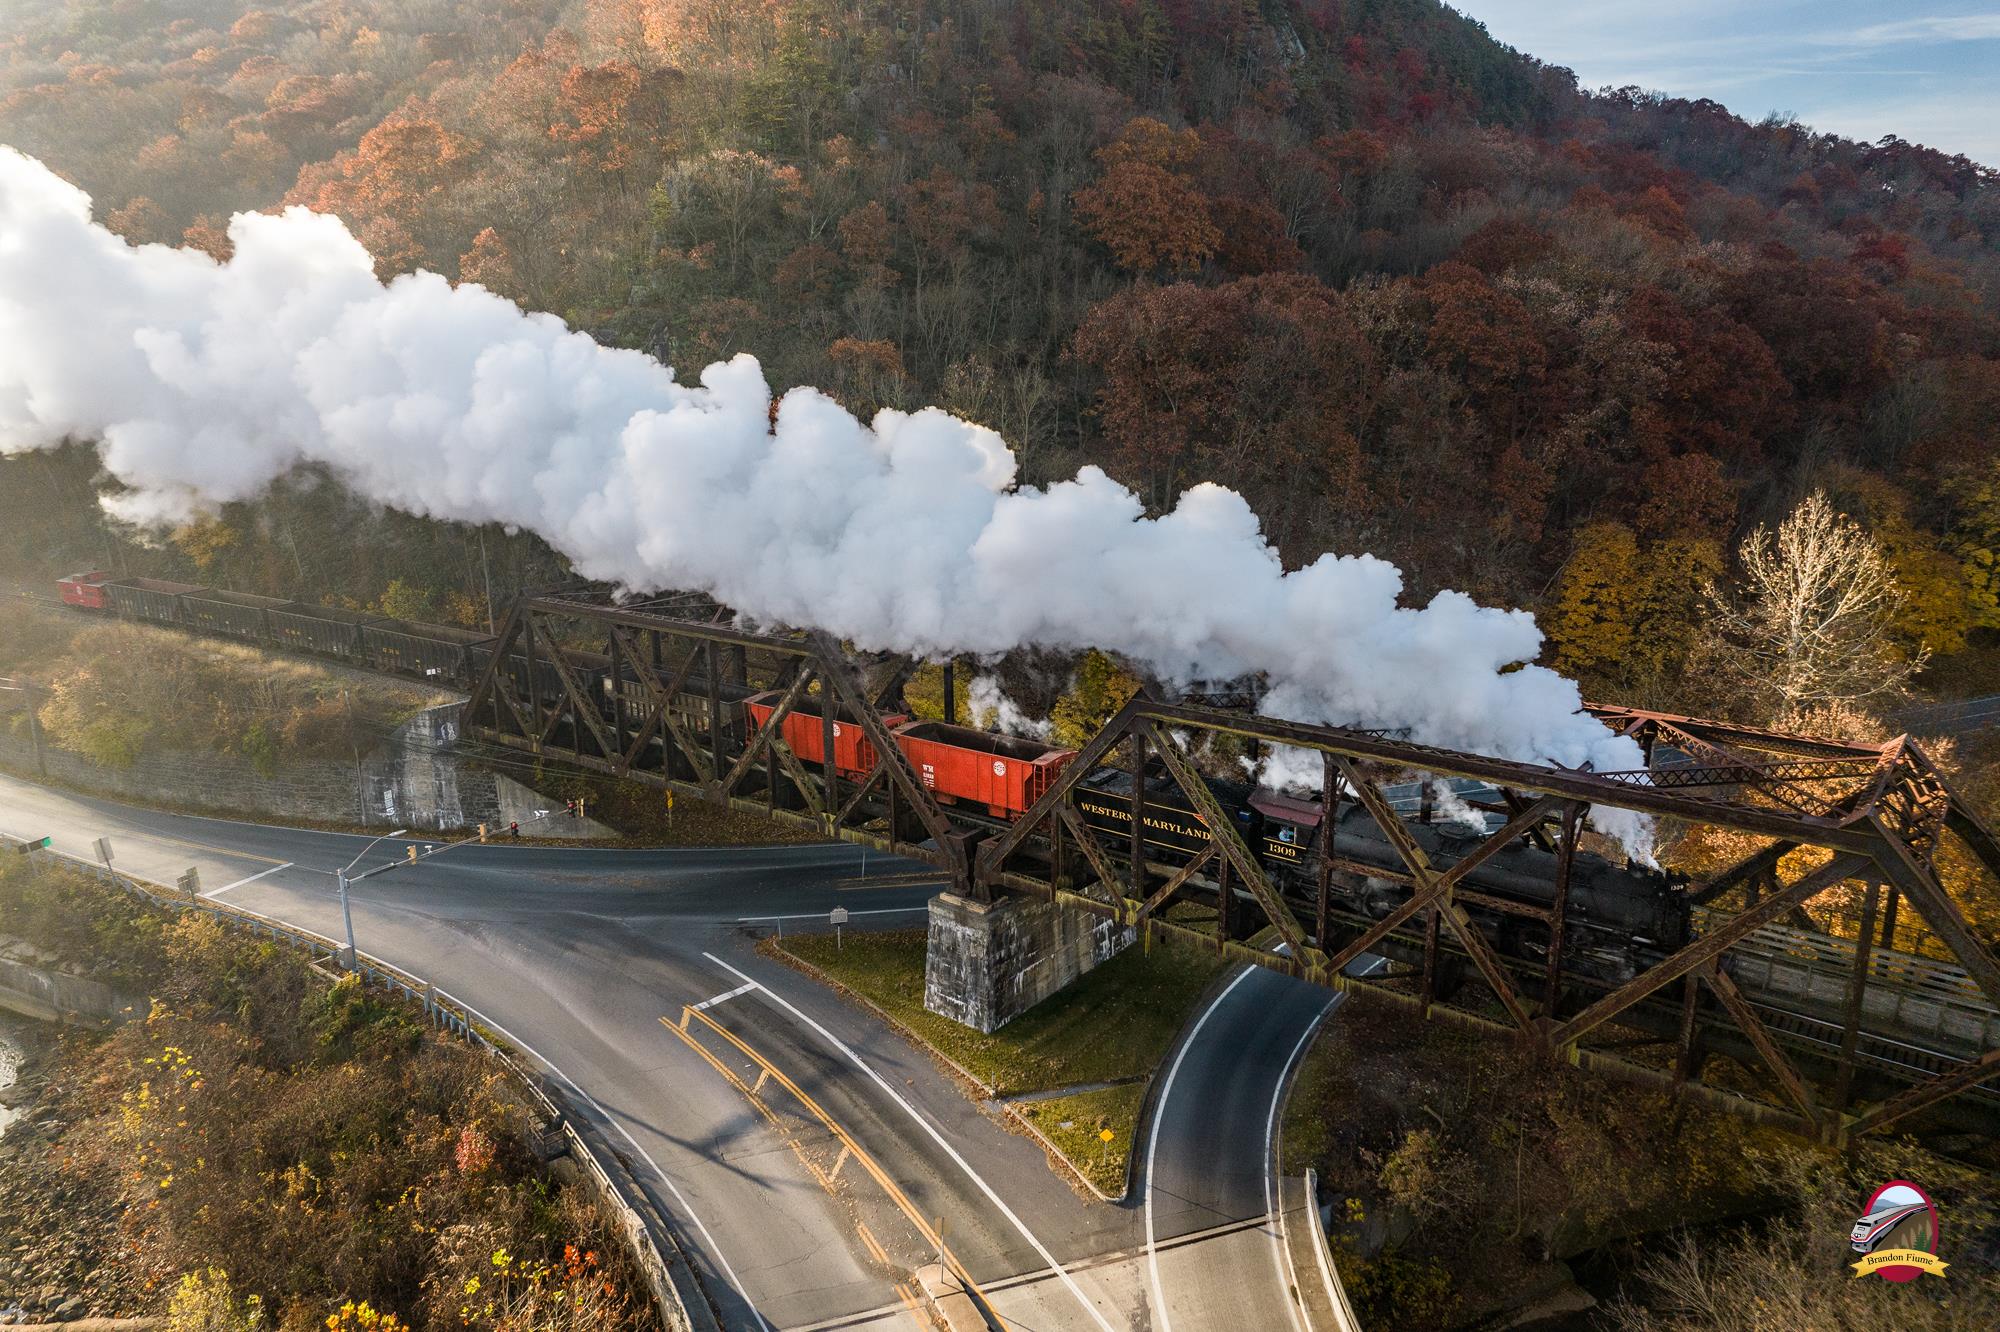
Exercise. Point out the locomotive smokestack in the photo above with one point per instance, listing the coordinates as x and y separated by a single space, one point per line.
206 382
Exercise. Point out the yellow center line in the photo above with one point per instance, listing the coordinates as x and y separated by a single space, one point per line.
868 1162
874 1246
916 1308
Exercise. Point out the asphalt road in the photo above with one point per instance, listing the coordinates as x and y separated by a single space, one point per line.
577 954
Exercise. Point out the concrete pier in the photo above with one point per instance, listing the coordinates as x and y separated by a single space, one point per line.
985 965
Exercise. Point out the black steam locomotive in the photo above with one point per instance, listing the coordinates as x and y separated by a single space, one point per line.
1619 920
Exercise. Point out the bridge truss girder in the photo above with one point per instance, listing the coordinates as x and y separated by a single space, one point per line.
655 697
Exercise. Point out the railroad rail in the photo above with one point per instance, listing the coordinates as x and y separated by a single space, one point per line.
1849 1036
1854 1030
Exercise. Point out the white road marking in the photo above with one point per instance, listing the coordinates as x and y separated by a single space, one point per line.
1163 1323
937 1137
606 1115
217 892
723 998
1288 1273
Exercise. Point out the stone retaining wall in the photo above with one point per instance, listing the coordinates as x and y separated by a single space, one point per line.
415 779
53 996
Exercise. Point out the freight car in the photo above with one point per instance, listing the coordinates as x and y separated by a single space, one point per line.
439 653
1619 920
804 732
1003 773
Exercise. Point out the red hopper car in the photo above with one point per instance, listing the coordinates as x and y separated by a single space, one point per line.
1002 772
853 755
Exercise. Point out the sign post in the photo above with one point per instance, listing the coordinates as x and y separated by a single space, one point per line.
838 916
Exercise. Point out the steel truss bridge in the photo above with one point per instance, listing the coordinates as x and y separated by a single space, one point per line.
1829 1035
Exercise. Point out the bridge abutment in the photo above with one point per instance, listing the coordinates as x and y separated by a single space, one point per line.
988 963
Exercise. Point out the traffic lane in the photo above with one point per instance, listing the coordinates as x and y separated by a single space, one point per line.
583 994
33 811
1012 1162
997 1216
1210 1164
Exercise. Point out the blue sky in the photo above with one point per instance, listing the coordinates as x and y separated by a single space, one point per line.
1927 72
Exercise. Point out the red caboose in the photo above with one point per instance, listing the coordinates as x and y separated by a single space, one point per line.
84 589
853 756
1002 772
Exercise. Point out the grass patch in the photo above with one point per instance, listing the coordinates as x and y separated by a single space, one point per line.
1075 1124
1115 1022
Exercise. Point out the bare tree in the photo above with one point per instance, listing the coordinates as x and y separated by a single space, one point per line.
1812 624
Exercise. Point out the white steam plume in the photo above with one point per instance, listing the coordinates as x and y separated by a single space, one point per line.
997 712
206 382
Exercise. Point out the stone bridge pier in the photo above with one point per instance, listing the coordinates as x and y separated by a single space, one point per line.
987 963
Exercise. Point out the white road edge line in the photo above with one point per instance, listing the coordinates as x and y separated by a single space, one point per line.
1288 1272
608 1118
935 1136
723 998
217 892
1164 1323
570 1082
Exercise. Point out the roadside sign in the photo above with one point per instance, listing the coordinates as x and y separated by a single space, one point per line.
102 846
837 916
1106 1134
39 844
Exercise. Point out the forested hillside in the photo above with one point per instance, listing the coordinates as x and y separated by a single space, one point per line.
1410 291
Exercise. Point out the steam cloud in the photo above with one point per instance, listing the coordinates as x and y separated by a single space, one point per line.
206 382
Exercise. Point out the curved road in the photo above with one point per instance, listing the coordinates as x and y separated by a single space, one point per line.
576 955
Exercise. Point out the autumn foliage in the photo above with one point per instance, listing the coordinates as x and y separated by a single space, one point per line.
1406 289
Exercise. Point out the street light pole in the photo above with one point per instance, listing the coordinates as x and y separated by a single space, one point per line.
346 913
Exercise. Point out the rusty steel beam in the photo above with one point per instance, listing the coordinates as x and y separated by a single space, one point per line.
1722 732
845 689
1430 884
764 734
1570 783
1706 949
1753 1027
1934 904
1235 850
1165 892
583 708
1086 841
1963 1078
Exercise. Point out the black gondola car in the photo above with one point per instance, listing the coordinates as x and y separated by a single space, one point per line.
153 600
426 651
324 630
233 614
